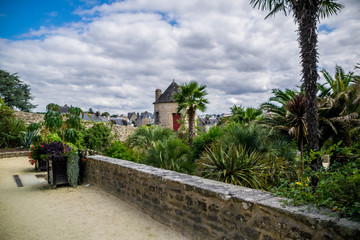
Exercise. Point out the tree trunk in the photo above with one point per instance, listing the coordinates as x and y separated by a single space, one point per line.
191 115
307 15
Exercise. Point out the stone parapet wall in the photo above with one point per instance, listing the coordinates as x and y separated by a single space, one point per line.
13 154
206 209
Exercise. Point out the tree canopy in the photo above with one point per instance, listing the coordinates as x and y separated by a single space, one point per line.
14 92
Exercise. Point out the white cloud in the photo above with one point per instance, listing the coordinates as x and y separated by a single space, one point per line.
120 53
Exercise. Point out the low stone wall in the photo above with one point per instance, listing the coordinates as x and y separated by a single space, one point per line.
120 132
206 209
13 154
29 117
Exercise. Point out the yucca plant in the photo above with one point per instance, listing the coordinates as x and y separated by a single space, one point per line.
236 165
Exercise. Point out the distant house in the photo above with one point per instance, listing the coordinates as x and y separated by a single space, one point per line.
96 117
64 109
132 117
144 119
165 108
119 121
205 123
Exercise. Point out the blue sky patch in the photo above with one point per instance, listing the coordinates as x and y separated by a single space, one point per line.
326 28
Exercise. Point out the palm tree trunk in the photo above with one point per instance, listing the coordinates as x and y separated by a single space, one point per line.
307 15
191 115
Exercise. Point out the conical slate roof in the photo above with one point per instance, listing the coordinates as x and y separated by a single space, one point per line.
166 97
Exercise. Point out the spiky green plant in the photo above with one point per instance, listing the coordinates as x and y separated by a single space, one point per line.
236 165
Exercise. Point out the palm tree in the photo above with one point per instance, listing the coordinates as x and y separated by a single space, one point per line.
337 85
306 14
191 98
289 117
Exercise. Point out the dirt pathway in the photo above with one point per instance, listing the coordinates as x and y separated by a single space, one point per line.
36 211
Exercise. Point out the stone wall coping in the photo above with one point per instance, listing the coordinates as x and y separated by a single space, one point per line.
312 216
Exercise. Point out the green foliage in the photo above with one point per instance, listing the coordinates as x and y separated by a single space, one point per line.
67 124
241 115
236 165
172 154
5 111
73 168
15 93
10 128
145 136
278 152
26 138
204 140
98 137
338 186
120 151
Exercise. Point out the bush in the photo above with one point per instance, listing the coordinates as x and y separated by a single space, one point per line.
10 128
120 151
98 137
144 136
172 154
204 140
338 187
236 165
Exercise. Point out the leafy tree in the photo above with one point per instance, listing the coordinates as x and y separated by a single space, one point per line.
191 98
15 93
67 123
105 114
306 14
91 110
98 137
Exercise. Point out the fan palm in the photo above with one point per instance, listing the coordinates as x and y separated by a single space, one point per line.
306 14
191 98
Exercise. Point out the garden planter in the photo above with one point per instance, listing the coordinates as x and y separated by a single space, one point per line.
57 171
81 167
41 165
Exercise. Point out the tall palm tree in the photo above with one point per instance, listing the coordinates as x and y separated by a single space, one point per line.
306 14
191 98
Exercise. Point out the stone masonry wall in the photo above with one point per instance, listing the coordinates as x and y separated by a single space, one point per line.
121 132
166 110
206 209
30 117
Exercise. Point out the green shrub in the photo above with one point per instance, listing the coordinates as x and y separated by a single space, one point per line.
172 154
204 140
143 137
10 128
338 186
98 137
236 165
120 151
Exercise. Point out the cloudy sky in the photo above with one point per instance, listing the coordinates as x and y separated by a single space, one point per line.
113 55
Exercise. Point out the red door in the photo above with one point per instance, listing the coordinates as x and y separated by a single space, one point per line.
176 120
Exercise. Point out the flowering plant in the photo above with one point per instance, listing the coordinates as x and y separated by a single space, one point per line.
37 153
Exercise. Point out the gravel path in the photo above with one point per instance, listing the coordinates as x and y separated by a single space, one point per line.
36 211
